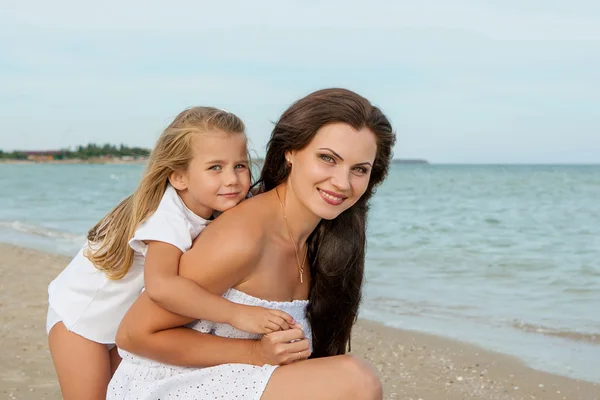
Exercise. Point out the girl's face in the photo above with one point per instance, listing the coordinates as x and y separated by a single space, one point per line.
332 172
218 177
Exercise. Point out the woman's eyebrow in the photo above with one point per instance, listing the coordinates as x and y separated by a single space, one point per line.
334 153
340 157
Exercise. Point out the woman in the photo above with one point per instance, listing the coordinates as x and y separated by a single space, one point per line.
302 238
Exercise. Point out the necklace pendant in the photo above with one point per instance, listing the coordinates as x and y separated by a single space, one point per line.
301 278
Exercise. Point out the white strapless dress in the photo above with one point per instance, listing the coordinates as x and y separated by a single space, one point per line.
139 378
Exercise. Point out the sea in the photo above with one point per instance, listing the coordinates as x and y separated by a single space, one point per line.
506 257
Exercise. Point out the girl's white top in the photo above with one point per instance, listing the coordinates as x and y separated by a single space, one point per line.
89 303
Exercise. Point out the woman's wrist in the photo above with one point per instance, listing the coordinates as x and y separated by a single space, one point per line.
255 355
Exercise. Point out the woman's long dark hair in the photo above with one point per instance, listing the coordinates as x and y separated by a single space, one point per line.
336 248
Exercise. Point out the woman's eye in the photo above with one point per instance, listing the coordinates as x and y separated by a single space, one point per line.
327 158
215 168
362 170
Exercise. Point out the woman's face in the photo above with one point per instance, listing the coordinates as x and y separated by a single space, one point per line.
330 174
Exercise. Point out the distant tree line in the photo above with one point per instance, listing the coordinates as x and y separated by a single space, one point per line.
14 155
92 150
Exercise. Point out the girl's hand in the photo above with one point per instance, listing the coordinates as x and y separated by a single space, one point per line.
255 319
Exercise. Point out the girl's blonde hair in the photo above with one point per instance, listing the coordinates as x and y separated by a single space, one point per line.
109 239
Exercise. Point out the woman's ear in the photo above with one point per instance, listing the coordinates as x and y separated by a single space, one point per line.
178 179
289 158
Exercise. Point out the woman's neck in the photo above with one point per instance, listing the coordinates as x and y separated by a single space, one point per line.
300 220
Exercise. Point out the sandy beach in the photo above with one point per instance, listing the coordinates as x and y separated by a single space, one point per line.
412 365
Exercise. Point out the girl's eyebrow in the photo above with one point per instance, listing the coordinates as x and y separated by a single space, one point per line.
241 161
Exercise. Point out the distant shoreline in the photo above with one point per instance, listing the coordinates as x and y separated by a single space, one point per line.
73 161
260 161
144 160
410 161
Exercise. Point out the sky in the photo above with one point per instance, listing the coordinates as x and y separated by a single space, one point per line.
462 81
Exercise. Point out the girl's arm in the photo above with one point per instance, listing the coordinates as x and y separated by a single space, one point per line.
182 296
177 294
223 256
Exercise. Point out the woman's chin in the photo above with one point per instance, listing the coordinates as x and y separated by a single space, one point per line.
329 212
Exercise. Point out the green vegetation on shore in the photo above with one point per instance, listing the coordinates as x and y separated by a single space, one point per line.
92 150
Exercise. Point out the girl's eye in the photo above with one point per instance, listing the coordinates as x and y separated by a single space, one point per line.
215 168
240 166
327 158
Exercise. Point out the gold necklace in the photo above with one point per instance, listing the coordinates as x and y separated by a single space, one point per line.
300 266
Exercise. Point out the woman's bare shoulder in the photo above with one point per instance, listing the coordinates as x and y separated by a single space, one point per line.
229 248
245 225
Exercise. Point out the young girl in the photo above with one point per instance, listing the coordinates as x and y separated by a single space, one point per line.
199 166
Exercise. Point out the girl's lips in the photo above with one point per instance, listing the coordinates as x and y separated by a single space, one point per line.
228 195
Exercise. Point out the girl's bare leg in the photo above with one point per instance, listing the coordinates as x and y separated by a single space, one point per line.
115 360
83 367
330 378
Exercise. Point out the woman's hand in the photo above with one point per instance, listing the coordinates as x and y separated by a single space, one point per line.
281 348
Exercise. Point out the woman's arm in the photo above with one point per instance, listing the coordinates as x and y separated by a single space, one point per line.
189 348
223 256
144 331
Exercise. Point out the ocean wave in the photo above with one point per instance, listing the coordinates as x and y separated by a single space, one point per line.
587 337
40 231
472 314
